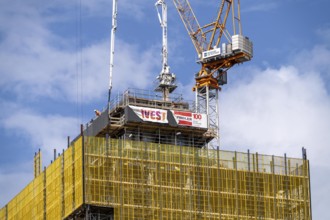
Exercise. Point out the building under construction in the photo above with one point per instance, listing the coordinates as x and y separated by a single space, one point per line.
138 168
157 157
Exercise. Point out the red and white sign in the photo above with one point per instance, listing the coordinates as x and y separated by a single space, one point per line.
150 114
190 119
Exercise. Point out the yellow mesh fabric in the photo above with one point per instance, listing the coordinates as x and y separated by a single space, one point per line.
142 180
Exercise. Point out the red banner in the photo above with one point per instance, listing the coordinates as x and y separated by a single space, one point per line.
190 119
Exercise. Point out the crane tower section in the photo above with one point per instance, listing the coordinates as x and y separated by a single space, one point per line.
220 45
166 78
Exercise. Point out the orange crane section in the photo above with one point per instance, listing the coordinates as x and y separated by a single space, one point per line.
216 55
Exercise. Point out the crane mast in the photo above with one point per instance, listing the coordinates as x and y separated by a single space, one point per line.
166 78
219 46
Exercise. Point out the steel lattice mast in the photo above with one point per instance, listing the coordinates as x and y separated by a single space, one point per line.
219 45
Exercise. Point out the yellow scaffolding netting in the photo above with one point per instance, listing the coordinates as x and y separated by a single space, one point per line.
54 193
142 180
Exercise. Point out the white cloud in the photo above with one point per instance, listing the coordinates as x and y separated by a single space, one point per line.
32 66
279 111
47 132
314 61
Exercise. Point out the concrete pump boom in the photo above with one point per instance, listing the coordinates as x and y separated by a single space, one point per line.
166 78
112 46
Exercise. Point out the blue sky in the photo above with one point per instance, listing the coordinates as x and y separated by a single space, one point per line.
54 72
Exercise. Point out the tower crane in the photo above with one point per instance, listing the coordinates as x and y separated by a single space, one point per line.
220 45
166 78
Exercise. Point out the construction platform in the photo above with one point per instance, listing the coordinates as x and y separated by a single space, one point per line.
148 170
129 114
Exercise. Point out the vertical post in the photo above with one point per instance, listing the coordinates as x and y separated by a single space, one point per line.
83 163
309 187
191 176
44 194
35 164
255 190
249 182
274 186
69 141
306 163
219 181
198 176
249 162
286 214
73 178
258 185
121 177
181 181
108 166
208 182
159 173
236 185
62 185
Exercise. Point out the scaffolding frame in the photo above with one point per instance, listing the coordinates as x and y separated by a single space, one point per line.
162 181
127 178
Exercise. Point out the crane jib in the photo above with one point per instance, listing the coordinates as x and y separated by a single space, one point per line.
219 44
